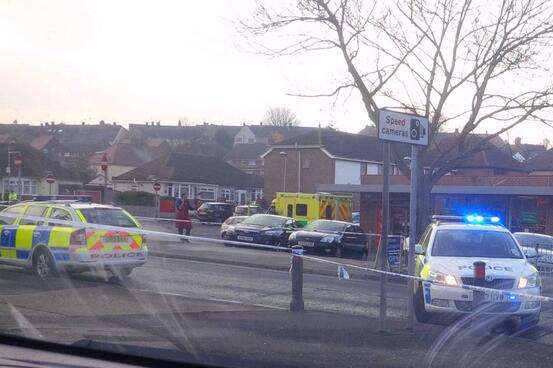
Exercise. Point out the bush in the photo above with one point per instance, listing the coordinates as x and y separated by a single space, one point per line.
135 198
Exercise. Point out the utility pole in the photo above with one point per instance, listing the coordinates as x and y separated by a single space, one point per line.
384 236
412 233
104 166
284 155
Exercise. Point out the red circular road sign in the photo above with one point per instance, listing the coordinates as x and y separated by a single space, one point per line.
50 179
157 186
17 160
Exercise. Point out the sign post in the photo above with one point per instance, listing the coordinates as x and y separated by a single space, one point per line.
50 179
157 187
411 129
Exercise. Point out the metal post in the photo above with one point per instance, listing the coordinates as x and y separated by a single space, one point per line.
105 185
50 189
384 238
19 179
296 304
284 176
299 171
412 234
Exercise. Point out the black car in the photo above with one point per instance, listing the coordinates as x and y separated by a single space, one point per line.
328 236
263 229
215 211
543 244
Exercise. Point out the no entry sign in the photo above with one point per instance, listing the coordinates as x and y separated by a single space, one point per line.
157 186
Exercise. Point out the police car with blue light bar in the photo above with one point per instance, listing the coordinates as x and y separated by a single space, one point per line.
474 264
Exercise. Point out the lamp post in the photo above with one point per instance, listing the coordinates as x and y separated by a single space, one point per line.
104 166
284 155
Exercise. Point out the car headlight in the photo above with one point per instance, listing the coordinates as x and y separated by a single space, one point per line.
292 236
529 281
328 239
442 278
273 232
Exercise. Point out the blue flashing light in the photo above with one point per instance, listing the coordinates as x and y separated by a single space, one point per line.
512 297
478 218
470 218
495 219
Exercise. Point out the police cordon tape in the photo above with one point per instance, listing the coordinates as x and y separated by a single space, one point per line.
81 225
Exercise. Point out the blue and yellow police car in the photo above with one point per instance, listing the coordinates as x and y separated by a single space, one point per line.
52 236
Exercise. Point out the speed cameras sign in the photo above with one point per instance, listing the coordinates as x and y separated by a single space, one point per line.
404 128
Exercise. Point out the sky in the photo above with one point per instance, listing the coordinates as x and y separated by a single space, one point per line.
137 61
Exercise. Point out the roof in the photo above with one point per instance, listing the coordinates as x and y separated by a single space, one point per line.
35 164
71 137
182 167
125 154
463 226
276 134
175 132
542 162
246 151
340 144
40 142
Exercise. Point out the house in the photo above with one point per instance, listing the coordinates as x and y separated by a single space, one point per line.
326 156
65 142
247 157
207 139
268 134
541 163
35 167
201 177
524 152
337 162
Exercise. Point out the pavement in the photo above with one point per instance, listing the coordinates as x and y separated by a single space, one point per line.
211 312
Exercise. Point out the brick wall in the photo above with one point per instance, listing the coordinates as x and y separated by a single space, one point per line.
317 168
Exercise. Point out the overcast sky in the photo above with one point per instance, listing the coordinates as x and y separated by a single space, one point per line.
136 61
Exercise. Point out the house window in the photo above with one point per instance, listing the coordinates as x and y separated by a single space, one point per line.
206 193
238 140
252 162
227 194
29 187
184 189
169 190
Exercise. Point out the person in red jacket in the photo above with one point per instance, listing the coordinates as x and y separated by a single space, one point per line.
183 225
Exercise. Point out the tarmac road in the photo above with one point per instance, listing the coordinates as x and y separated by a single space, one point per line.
234 315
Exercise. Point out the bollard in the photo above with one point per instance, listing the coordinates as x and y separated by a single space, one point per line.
296 304
479 277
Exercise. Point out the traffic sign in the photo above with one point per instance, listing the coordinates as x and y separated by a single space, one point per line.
157 186
17 160
50 179
403 128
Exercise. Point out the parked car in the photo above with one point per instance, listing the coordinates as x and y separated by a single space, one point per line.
356 217
542 243
246 210
329 236
230 223
215 211
264 229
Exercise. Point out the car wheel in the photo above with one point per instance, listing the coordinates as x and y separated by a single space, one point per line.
418 305
43 264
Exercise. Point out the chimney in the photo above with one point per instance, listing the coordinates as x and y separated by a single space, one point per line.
114 123
518 141
83 123
179 123
456 130
158 123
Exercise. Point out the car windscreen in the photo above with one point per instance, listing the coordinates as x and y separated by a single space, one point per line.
325 226
532 240
107 216
264 220
475 243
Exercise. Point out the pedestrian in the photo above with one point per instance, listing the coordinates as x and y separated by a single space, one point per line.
183 223
12 197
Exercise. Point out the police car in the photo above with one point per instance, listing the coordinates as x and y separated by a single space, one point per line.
53 236
445 262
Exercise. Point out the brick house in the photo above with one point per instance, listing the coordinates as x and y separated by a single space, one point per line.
323 156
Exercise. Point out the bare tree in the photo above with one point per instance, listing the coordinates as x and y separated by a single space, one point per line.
473 64
280 116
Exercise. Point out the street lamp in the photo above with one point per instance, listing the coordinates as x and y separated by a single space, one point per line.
284 155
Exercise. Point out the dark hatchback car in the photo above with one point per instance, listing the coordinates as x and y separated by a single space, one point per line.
264 229
328 236
543 244
215 211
